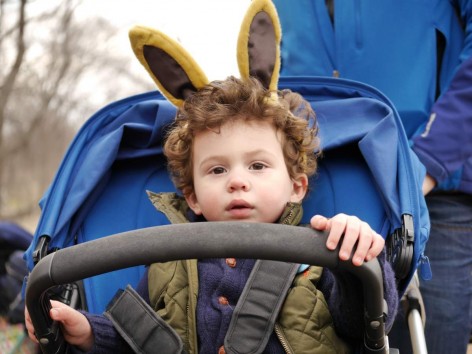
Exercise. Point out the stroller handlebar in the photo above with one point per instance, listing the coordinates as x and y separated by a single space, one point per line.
195 241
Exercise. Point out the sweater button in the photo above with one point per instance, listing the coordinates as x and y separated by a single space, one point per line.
223 300
222 350
231 262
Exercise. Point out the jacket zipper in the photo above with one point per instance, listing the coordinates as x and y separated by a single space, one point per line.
283 339
192 305
289 217
188 328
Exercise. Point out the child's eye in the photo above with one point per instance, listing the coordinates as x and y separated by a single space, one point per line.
218 170
257 166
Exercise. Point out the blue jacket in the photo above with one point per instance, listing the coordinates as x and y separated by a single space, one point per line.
393 46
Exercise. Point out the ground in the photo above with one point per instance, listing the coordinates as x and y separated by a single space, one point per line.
14 340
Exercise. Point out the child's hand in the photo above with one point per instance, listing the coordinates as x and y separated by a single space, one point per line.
369 243
75 326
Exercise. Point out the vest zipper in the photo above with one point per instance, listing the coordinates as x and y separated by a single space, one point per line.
283 339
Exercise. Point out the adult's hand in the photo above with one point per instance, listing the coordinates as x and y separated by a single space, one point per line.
428 184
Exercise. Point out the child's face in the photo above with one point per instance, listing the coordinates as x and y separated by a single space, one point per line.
240 174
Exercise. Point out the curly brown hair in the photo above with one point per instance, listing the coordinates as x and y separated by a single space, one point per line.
234 99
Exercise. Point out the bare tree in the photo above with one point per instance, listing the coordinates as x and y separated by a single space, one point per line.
10 77
44 62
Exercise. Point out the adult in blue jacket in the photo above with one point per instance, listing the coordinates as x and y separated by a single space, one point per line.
418 53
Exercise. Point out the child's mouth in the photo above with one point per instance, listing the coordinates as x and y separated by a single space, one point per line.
239 209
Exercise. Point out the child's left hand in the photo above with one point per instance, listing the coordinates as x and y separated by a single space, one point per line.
369 243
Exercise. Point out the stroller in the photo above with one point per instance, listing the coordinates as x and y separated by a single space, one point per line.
128 135
367 169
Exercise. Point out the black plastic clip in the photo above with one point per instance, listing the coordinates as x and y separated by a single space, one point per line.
41 249
400 247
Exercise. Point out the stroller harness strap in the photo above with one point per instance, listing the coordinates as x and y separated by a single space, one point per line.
140 326
258 307
251 325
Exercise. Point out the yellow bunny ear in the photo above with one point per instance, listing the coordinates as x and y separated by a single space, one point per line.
172 68
259 44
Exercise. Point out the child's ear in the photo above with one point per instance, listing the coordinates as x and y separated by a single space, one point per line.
299 188
193 203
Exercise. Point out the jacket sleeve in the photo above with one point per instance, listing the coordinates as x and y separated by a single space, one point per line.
464 12
106 338
343 293
445 146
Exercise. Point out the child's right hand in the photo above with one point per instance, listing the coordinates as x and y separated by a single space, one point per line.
358 235
75 326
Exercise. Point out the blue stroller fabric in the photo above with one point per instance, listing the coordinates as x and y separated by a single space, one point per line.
367 170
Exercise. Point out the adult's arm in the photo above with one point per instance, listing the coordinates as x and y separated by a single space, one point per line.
445 147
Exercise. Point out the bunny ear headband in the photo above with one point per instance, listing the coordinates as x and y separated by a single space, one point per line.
178 76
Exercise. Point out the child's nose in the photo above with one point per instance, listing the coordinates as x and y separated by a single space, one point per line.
238 182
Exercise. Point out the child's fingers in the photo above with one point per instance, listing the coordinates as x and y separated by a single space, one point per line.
364 244
59 312
319 222
351 230
336 227
76 328
67 315
29 326
378 243
58 304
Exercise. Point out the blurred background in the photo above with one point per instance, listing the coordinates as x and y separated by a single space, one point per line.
60 61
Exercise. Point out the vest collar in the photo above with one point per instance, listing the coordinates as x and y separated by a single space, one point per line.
176 209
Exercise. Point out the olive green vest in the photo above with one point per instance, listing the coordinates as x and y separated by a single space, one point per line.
304 324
